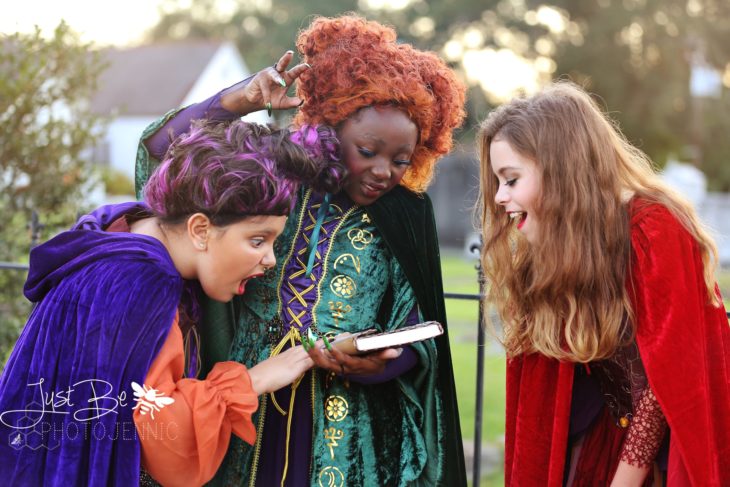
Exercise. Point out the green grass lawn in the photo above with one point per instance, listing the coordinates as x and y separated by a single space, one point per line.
460 276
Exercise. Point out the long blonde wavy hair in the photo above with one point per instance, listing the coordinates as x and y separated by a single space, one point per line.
565 296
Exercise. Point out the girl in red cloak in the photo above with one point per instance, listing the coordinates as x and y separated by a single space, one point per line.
617 341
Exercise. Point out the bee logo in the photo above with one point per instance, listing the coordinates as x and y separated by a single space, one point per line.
150 400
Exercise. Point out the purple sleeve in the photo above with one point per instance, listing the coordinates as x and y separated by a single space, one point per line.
396 367
209 109
413 318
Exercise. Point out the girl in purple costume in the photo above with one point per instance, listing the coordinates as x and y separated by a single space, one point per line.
94 386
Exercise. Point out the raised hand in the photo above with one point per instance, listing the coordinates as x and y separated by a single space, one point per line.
267 89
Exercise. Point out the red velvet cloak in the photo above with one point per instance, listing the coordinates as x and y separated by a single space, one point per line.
684 344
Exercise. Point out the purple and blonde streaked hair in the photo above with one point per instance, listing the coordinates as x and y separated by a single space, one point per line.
230 171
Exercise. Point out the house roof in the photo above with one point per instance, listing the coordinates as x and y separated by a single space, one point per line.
149 80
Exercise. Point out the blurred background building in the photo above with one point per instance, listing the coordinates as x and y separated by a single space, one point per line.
142 83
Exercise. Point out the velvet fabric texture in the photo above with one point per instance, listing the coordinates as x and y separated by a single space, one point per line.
393 433
104 306
684 343
381 451
413 239
144 164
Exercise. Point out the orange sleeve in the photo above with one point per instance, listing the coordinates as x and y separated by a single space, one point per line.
183 442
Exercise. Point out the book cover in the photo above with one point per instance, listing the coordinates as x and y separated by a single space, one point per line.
372 340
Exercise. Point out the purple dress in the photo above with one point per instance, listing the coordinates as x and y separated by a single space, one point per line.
104 306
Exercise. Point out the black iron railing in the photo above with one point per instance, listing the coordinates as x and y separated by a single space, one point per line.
476 472
36 227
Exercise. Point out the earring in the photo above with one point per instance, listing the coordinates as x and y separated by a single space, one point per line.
201 245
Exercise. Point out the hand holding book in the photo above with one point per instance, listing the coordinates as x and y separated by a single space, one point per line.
371 340
370 351
326 356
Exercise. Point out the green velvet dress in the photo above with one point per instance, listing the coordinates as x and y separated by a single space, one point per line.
373 265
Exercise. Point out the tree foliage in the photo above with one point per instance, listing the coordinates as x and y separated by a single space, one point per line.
45 129
262 30
634 54
637 56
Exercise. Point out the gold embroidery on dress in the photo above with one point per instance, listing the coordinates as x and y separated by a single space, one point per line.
296 319
336 408
293 317
343 258
299 295
339 309
333 434
335 213
343 286
326 260
292 337
292 246
365 218
359 238
331 477
257 447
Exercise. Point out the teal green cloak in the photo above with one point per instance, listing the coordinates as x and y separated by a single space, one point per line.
411 422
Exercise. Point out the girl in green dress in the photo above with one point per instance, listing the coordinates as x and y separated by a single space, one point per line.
366 257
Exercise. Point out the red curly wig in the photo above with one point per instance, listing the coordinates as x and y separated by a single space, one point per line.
358 63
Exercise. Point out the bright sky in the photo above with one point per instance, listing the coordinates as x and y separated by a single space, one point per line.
101 21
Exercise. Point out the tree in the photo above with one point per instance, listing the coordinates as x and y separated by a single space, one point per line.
633 54
637 55
45 130
261 30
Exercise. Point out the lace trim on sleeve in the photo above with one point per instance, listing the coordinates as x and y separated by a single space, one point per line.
646 431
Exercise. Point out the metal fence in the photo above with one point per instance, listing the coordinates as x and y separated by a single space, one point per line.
36 227
481 341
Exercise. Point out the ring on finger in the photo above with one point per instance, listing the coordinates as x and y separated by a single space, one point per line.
279 79
277 69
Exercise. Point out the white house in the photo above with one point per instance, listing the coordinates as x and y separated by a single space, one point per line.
140 84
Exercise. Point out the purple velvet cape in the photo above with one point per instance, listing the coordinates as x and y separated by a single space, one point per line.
104 306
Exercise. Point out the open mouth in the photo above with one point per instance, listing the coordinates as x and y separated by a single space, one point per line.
242 284
519 217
